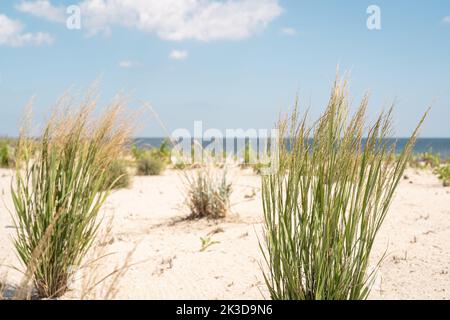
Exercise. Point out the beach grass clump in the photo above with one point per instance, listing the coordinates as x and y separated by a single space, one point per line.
150 165
326 202
425 160
259 167
7 158
153 161
208 193
206 243
118 175
250 160
60 187
443 173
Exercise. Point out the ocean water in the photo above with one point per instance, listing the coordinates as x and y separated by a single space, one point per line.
439 146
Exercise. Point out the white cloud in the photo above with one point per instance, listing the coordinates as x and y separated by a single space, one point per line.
289 31
12 34
178 54
126 64
175 20
43 9
446 20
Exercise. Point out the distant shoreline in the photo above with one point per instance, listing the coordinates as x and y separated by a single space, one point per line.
439 146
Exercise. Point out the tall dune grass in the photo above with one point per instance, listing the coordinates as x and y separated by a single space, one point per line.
60 187
325 205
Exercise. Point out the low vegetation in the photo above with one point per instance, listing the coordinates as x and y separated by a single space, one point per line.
7 157
151 162
118 175
426 160
432 161
149 165
208 193
443 173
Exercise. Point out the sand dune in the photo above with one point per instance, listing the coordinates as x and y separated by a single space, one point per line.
167 262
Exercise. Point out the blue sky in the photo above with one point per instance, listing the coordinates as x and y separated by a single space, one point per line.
230 64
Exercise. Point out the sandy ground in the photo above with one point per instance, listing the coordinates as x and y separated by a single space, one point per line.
167 262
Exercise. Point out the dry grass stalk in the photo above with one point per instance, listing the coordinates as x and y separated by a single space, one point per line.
95 282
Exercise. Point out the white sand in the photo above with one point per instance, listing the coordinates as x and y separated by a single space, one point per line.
169 264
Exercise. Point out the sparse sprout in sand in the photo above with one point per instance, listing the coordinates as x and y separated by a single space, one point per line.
206 243
99 277
60 188
137 152
208 193
164 150
325 205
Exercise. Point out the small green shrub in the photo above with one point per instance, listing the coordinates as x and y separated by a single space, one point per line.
164 150
206 243
258 167
2 290
118 175
208 195
178 161
444 174
149 165
6 154
426 160
137 152
152 161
